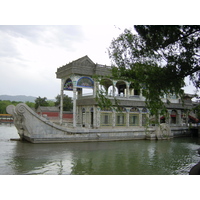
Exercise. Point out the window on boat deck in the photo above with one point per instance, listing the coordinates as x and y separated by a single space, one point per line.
134 117
106 119
120 119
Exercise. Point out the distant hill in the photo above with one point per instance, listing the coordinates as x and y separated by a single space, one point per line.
22 98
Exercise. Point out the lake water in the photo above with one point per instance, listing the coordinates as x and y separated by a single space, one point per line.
137 157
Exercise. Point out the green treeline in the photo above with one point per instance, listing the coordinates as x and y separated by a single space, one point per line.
67 103
5 103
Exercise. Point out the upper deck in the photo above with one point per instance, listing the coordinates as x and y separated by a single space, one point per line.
84 69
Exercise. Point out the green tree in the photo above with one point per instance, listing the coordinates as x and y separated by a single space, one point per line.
178 46
67 102
157 59
5 103
197 111
30 104
40 102
51 103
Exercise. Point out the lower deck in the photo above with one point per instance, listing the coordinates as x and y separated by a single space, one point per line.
133 117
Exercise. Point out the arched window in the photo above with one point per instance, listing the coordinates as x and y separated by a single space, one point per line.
85 82
144 110
122 109
134 109
106 86
106 109
121 86
68 84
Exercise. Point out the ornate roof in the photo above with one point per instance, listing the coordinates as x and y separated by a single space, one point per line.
83 66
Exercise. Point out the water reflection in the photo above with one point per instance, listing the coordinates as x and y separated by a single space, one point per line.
41 159
135 157
140 157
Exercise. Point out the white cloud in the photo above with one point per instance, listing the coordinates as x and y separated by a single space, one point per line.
30 56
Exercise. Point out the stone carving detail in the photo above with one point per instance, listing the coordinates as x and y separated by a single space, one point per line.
20 108
18 121
10 109
163 131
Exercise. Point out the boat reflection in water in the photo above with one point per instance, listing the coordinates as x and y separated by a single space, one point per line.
139 157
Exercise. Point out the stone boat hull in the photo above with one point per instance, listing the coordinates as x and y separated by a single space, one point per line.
37 129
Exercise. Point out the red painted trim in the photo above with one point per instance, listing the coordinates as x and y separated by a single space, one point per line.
57 114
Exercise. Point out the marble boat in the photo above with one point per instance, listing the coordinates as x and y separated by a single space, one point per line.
90 122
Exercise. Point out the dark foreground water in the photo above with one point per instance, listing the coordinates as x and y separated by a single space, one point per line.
141 157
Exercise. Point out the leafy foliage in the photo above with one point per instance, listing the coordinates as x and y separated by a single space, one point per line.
157 60
50 103
178 46
106 103
5 103
30 104
67 102
197 111
44 102
41 102
101 95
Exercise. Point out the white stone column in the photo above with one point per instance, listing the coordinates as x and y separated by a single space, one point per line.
127 90
113 92
127 117
61 102
87 117
187 118
95 89
74 106
113 118
168 121
140 117
159 118
141 94
178 117
94 117
98 117
114 85
132 92
148 119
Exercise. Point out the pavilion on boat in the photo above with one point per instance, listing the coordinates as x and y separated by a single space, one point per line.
77 77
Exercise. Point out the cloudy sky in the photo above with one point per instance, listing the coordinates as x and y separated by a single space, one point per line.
30 55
